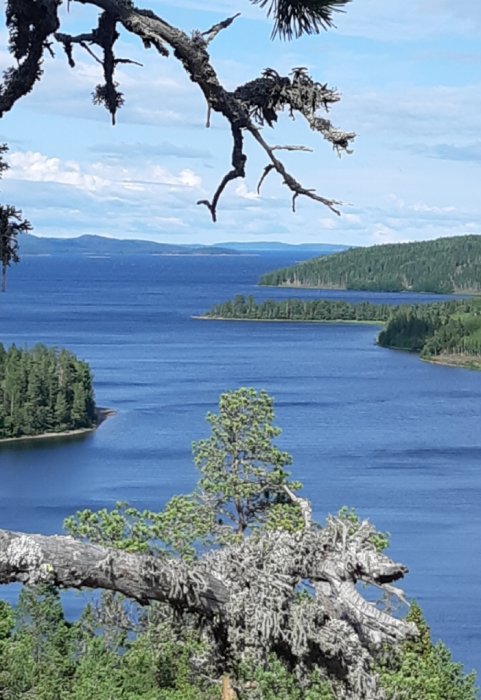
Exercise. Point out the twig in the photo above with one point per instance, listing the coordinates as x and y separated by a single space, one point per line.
266 172
304 505
288 179
292 148
238 170
211 33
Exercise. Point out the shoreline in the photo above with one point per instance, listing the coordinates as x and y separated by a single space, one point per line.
101 415
472 362
369 291
337 322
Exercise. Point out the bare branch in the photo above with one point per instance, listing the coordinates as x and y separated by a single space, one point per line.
128 61
211 33
246 109
18 81
288 179
266 172
238 170
305 149
304 505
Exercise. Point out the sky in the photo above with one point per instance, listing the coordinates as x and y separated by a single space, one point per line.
410 81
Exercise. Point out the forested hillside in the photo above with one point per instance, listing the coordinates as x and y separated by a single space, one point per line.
442 266
450 329
43 390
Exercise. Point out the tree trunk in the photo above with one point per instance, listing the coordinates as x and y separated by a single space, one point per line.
69 563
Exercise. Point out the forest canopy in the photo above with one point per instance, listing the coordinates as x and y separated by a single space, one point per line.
247 309
440 329
44 390
443 266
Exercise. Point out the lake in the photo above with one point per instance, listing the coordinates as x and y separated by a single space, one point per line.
380 430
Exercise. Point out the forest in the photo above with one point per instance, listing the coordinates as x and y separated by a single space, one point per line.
433 330
442 266
43 390
246 308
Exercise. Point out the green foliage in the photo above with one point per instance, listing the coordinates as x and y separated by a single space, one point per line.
43 390
241 488
421 670
11 225
183 522
276 682
447 328
293 18
379 539
243 308
243 473
442 266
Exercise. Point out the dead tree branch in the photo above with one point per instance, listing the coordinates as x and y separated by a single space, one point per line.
248 594
246 109
68 563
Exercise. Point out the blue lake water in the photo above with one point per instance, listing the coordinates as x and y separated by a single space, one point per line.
380 430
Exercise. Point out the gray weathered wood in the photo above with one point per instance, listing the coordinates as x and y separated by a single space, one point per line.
68 563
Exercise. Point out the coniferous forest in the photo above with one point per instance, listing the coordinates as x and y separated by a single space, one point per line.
246 308
442 266
441 329
43 390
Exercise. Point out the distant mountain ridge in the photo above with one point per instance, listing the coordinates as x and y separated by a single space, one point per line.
101 245
441 266
323 248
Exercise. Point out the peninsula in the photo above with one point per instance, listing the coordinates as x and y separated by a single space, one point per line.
247 309
444 332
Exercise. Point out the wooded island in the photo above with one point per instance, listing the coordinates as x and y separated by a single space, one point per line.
43 391
443 266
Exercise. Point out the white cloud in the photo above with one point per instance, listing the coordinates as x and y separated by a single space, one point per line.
97 178
244 193
38 167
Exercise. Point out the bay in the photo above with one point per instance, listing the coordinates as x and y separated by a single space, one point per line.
380 430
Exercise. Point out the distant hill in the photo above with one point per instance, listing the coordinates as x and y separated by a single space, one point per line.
100 245
442 266
276 246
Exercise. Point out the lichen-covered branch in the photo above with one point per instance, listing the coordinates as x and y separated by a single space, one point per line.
247 109
68 563
30 24
294 594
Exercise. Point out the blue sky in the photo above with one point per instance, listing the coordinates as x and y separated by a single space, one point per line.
410 81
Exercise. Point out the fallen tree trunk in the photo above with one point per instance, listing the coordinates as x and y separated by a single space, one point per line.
247 594
69 563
